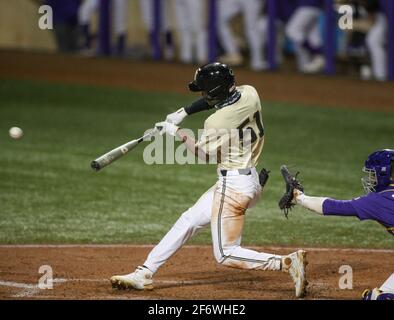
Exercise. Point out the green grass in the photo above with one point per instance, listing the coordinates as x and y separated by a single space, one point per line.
49 194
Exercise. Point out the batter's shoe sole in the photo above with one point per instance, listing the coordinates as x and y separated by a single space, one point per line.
123 283
295 264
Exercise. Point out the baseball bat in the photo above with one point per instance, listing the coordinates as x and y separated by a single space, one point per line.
119 152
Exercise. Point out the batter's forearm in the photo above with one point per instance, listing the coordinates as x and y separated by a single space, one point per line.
191 145
198 106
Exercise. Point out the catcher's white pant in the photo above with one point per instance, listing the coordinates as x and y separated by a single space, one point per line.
376 41
251 10
90 7
388 285
191 27
223 206
303 25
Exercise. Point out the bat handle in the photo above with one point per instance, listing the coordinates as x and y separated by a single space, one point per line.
150 133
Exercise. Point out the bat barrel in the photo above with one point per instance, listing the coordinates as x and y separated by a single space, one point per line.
117 153
95 165
113 155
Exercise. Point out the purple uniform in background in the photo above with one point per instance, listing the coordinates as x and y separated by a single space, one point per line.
285 9
311 3
373 206
64 11
65 20
377 6
384 6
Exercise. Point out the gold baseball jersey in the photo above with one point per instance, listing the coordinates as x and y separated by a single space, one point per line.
234 134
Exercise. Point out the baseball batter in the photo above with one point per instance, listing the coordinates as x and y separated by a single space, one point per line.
377 205
237 115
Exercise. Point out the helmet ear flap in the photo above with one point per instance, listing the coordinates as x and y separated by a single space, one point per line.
194 87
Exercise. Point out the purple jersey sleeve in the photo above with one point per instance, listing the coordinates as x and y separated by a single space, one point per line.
373 206
338 208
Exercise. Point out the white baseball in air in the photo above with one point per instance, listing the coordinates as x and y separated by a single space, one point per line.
15 133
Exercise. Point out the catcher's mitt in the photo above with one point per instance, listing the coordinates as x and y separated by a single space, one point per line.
286 202
263 177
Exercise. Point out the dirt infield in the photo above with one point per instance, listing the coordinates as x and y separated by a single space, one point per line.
82 272
285 87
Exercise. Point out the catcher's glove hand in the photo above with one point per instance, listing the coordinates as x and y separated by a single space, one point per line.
286 202
263 177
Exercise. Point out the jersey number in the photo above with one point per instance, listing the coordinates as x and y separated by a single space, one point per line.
241 127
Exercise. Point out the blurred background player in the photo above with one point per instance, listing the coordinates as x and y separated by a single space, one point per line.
377 205
238 188
65 23
376 39
190 16
304 31
251 11
284 10
85 15
166 36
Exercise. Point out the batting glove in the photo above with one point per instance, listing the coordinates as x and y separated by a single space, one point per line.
177 116
167 127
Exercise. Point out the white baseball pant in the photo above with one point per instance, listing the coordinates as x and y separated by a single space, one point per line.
119 16
146 7
86 11
303 25
251 10
90 7
191 26
376 41
223 206
388 285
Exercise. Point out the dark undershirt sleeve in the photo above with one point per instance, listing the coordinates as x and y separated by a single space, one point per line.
333 207
197 106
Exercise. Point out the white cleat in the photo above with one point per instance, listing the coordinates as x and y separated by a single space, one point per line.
315 66
140 279
295 264
259 66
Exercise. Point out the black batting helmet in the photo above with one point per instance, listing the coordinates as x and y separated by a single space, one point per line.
216 80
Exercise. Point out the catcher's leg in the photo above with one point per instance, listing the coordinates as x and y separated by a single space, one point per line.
388 285
184 228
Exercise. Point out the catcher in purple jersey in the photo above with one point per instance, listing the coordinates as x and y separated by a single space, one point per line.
377 204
